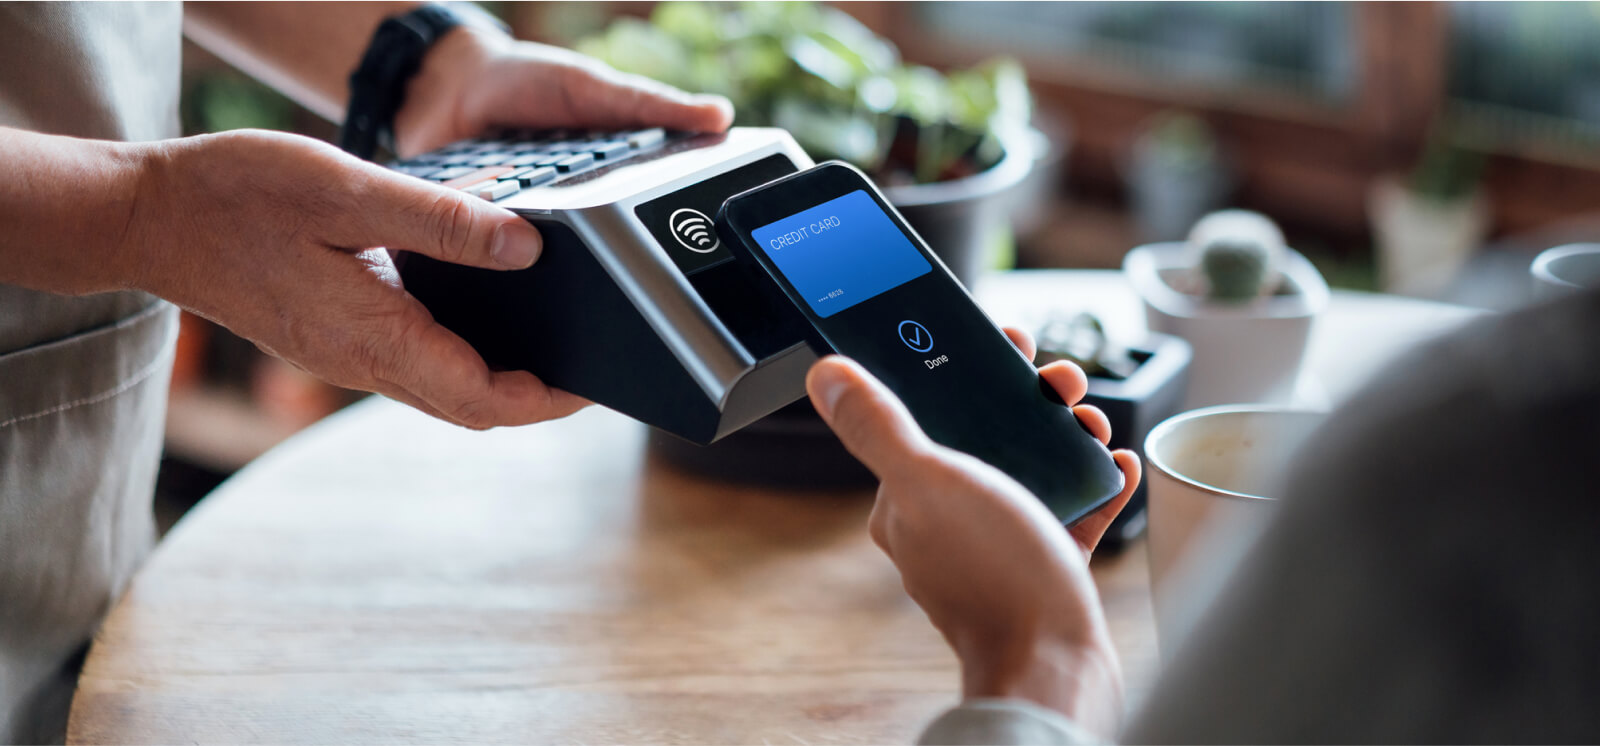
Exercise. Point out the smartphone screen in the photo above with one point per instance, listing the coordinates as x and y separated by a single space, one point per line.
872 290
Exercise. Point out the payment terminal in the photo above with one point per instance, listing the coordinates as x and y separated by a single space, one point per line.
635 303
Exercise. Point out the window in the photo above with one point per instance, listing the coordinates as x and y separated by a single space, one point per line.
1300 49
1526 74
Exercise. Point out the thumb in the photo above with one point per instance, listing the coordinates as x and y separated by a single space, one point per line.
401 212
871 422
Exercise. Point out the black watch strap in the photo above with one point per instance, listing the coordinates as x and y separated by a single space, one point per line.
378 86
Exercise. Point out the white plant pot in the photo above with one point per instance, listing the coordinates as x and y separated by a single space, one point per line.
1423 243
1243 352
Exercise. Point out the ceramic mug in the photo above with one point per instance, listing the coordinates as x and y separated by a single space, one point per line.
1566 269
1215 474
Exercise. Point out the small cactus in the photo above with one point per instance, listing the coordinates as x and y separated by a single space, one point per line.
1235 269
1235 255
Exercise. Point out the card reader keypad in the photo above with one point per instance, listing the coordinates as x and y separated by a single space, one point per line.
499 166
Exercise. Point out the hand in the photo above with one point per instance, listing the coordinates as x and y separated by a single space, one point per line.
475 79
996 573
276 237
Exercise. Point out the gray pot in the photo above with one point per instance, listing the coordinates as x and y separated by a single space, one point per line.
792 447
959 218
1136 405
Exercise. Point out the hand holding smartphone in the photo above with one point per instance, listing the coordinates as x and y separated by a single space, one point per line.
871 290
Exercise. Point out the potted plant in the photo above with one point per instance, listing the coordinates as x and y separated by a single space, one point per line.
1243 300
1175 174
947 149
1136 386
950 151
1428 223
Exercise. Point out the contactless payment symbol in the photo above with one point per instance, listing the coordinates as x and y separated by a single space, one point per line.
693 229
916 336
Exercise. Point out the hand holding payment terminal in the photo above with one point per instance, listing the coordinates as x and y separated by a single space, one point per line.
634 303
870 289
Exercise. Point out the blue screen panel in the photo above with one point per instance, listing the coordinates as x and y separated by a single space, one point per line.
841 252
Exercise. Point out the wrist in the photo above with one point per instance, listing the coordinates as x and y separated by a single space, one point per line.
70 211
436 109
1080 679
148 181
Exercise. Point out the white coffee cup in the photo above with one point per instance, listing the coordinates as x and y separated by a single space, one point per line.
1566 269
1214 476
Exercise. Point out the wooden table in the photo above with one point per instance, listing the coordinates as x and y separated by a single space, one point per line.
386 577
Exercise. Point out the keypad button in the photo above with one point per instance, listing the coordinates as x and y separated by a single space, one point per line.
491 159
476 176
493 190
646 138
420 171
575 162
451 173
608 150
535 176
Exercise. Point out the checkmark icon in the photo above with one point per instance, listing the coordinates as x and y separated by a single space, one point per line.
916 336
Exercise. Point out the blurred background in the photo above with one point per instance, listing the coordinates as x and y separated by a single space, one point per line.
1426 149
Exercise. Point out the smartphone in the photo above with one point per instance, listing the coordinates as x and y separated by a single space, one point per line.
872 290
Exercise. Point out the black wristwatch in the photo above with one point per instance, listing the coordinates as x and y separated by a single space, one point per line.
378 86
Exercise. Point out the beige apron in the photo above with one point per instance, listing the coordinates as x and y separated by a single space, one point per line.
82 380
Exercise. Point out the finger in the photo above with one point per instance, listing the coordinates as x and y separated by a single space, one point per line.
1095 421
404 397
1067 379
878 525
441 370
400 212
1090 530
400 395
871 422
1023 341
600 96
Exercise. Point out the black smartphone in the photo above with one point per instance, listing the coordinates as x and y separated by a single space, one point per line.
873 291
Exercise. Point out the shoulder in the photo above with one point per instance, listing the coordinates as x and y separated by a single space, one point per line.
1507 402
1437 529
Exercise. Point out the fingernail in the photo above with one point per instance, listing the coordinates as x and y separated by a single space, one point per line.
516 246
722 104
829 382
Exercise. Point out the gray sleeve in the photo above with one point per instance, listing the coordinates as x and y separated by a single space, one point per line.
1430 576
1001 722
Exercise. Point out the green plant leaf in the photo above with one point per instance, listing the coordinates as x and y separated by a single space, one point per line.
836 85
